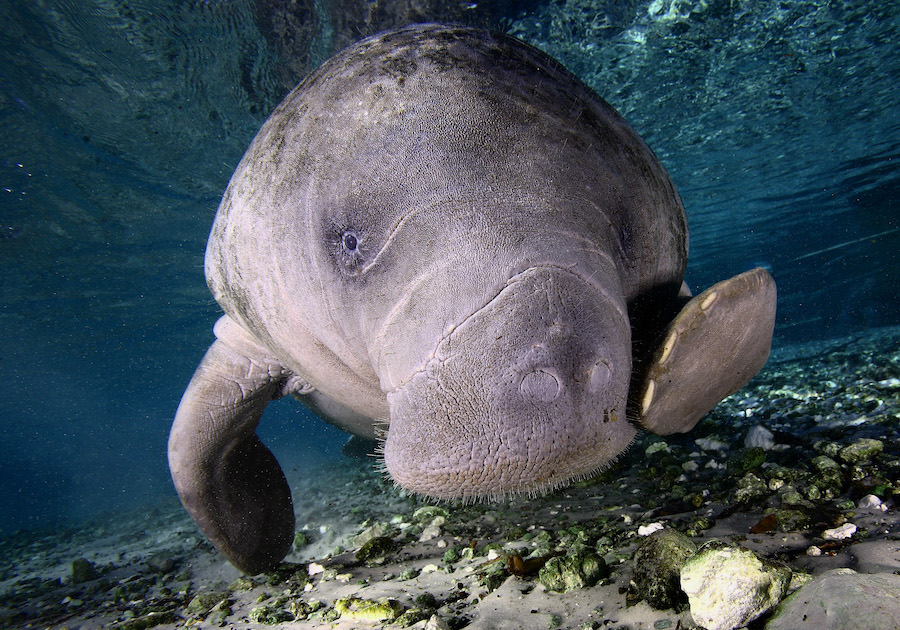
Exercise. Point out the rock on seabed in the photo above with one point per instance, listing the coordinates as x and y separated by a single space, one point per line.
657 568
842 600
727 586
567 573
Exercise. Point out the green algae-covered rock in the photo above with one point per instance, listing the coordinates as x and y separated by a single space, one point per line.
301 539
791 520
451 555
375 548
372 531
150 620
495 574
270 615
243 583
578 570
727 586
829 478
358 609
302 609
826 466
202 603
749 488
657 568
428 513
746 459
411 616
861 450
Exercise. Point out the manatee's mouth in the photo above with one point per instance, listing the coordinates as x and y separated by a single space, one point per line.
525 395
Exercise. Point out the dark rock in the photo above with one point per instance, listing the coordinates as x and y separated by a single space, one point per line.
83 571
657 568
376 548
161 563
746 459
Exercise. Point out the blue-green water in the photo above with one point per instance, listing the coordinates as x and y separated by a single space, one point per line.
122 122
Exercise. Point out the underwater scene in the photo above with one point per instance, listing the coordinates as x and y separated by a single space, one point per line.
454 251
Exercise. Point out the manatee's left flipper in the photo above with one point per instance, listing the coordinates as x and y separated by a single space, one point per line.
228 481
718 341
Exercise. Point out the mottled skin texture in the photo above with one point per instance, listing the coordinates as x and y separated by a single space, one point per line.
444 233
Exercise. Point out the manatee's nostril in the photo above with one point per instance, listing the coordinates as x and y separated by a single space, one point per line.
601 375
540 386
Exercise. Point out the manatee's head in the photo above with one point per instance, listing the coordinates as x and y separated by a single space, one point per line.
442 229
524 395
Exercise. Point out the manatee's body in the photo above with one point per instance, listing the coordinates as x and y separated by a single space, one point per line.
444 234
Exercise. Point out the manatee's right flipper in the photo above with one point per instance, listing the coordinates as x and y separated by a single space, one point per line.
230 483
718 341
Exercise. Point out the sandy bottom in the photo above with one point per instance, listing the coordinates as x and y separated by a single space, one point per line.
449 567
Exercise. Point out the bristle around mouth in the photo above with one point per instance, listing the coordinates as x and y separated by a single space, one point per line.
475 498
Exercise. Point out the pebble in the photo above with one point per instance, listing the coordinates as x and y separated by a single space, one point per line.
711 444
657 447
161 562
840 533
761 437
871 501
646 530
436 623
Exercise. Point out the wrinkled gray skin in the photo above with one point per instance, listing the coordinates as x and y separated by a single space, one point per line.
444 234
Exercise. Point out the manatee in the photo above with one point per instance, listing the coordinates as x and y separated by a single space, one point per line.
444 240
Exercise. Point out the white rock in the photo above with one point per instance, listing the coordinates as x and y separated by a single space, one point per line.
436 623
373 531
813 551
711 444
429 533
315 568
646 530
871 501
690 465
840 533
760 436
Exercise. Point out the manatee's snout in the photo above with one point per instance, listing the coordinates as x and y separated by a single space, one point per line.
524 395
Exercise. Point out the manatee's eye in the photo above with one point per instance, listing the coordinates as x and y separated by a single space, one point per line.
347 249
